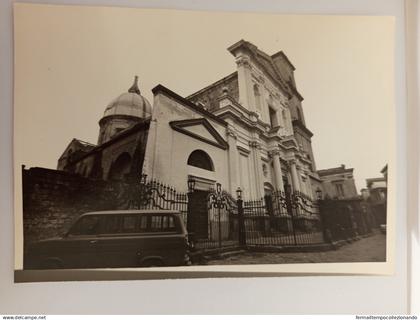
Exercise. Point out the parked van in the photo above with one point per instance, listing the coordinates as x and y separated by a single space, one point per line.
110 239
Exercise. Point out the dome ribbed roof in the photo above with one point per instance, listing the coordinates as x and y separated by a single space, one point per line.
130 103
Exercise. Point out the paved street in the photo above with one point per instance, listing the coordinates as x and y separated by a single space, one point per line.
369 249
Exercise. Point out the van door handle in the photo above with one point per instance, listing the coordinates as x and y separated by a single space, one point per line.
93 241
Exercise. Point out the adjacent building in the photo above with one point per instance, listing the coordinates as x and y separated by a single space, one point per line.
375 195
338 183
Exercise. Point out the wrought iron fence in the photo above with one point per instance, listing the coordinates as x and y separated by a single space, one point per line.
282 219
215 219
152 194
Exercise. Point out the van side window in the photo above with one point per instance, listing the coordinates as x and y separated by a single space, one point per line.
88 225
111 224
129 224
162 224
143 224
156 223
168 223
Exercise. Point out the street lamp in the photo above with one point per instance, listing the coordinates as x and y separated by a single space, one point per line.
239 193
318 194
242 236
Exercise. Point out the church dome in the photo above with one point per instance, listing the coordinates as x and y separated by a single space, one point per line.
130 103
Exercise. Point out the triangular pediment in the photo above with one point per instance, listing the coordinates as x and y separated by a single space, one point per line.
200 129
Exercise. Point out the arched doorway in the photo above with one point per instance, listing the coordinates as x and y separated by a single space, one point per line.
120 167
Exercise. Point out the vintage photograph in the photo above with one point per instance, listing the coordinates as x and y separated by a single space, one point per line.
164 138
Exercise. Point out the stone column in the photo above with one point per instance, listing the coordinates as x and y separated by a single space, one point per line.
246 92
233 160
295 176
277 169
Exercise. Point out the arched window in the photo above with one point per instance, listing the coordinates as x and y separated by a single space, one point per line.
200 159
120 167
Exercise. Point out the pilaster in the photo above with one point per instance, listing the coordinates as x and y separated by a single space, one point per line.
233 159
246 92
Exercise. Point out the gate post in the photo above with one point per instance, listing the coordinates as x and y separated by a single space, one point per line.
241 222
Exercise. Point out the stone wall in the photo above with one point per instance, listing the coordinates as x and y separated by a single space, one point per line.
53 199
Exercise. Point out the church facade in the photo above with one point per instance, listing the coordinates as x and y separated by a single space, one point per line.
246 130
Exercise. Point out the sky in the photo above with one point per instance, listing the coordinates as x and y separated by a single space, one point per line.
71 61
